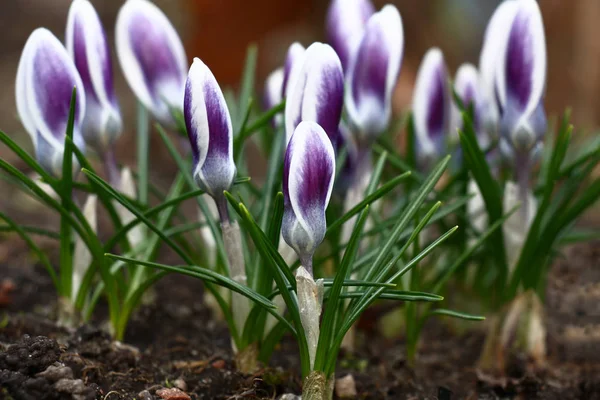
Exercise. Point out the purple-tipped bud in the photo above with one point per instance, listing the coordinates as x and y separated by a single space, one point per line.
308 174
431 106
521 79
468 89
346 21
209 129
495 35
152 58
373 74
87 45
317 93
46 77
293 64
272 94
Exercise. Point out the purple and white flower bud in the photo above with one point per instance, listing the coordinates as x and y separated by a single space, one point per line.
293 64
468 89
346 21
209 130
272 94
46 77
152 58
373 73
431 106
86 43
495 35
317 93
521 79
308 174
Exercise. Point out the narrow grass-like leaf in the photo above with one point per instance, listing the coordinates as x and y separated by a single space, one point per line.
328 322
143 143
456 314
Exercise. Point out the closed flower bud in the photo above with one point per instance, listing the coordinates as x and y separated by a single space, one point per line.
46 77
152 58
272 94
308 175
373 73
468 89
346 21
431 106
293 64
209 130
87 45
494 36
521 78
317 93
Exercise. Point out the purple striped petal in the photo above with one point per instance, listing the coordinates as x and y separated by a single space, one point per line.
308 175
431 104
293 64
86 43
318 92
372 78
494 39
209 130
346 21
46 77
521 77
152 58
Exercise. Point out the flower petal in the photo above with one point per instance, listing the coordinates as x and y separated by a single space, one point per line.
46 77
346 21
293 64
318 92
373 76
467 87
86 43
308 175
521 78
272 94
431 104
209 130
152 57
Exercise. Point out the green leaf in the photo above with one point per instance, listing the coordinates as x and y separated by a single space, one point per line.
398 295
327 324
185 170
66 193
260 122
106 187
143 142
247 84
383 190
456 314
14 227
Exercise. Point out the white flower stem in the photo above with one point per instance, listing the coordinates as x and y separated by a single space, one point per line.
111 168
232 241
310 303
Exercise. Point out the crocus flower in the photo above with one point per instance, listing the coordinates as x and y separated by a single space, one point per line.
373 73
152 58
293 64
468 90
495 35
431 106
209 130
272 94
317 93
87 45
46 77
308 174
346 21
521 79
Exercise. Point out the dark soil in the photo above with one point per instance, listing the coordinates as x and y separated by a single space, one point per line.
176 343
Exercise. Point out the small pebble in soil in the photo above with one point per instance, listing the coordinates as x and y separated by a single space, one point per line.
145 395
172 394
345 387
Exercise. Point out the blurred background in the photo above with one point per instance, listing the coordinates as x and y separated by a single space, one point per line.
219 31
